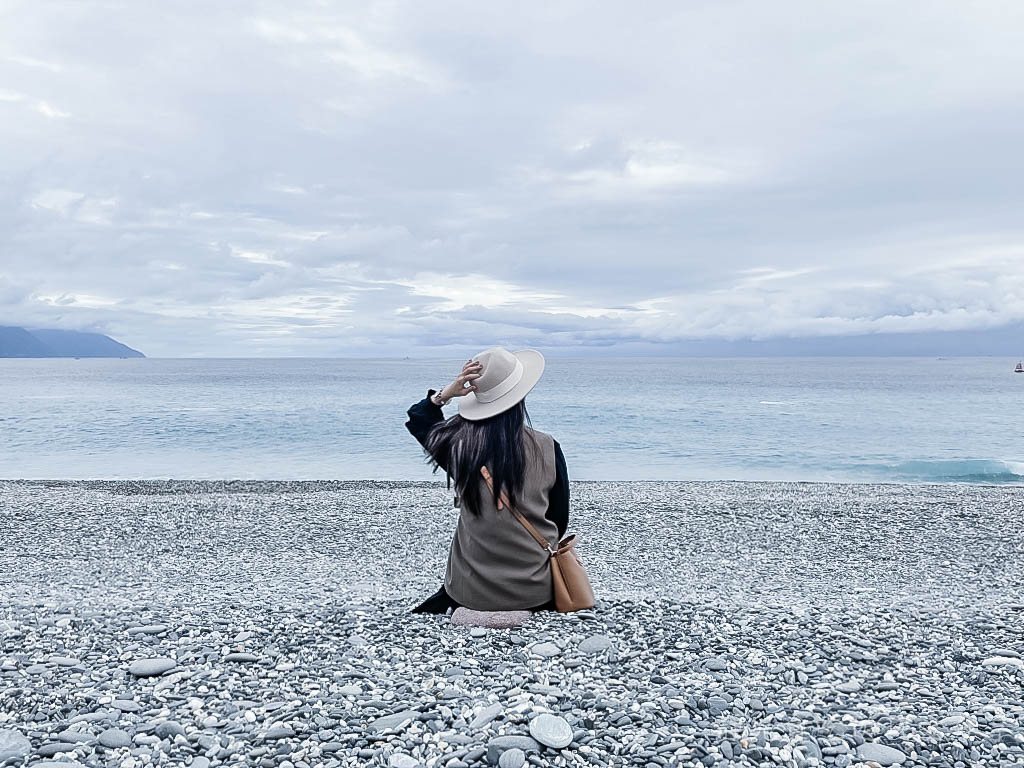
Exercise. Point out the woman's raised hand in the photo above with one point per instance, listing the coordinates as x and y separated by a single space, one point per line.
463 383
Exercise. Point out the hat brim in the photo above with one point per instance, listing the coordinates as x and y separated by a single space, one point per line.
533 366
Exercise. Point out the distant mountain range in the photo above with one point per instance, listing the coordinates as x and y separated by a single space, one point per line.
42 342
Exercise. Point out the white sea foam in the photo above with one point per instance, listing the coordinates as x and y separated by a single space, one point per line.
962 470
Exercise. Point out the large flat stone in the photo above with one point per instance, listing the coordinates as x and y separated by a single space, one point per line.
52 748
546 649
1003 661
151 667
551 730
13 744
115 738
880 753
486 715
242 657
75 736
393 723
595 644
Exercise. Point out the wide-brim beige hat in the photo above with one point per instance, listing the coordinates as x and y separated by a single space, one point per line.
505 379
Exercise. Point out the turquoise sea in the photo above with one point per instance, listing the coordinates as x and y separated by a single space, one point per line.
806 419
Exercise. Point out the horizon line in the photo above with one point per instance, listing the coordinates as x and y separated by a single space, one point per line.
686 355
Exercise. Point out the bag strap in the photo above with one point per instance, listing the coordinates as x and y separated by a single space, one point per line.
503 502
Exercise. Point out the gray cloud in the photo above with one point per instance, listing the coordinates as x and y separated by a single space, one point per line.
301 178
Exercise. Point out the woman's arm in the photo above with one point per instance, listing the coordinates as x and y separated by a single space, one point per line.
423 416
427 412
558 498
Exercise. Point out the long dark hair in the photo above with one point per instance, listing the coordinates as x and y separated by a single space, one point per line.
463 446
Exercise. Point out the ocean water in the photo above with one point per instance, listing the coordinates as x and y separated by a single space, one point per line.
803 419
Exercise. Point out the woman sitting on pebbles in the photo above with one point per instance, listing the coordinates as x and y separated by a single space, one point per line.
494 563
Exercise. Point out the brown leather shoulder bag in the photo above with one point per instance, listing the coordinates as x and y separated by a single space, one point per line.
572 590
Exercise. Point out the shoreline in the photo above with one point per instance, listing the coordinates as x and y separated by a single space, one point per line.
328 483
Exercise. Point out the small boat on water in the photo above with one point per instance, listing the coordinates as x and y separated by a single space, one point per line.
1019 368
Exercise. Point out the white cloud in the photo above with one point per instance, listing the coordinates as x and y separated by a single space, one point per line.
28 61
343 44
94 211
640 170
277 32
81 300
826 302
76 205
257 257
667 164
459 291
319 178
52 112
57 200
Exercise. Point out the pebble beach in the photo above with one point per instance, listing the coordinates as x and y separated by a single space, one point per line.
267 624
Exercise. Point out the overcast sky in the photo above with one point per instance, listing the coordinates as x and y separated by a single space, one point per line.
328 178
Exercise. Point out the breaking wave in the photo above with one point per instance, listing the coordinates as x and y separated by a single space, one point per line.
954 471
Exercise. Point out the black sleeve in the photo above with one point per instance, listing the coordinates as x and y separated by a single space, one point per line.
558 499
422 417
